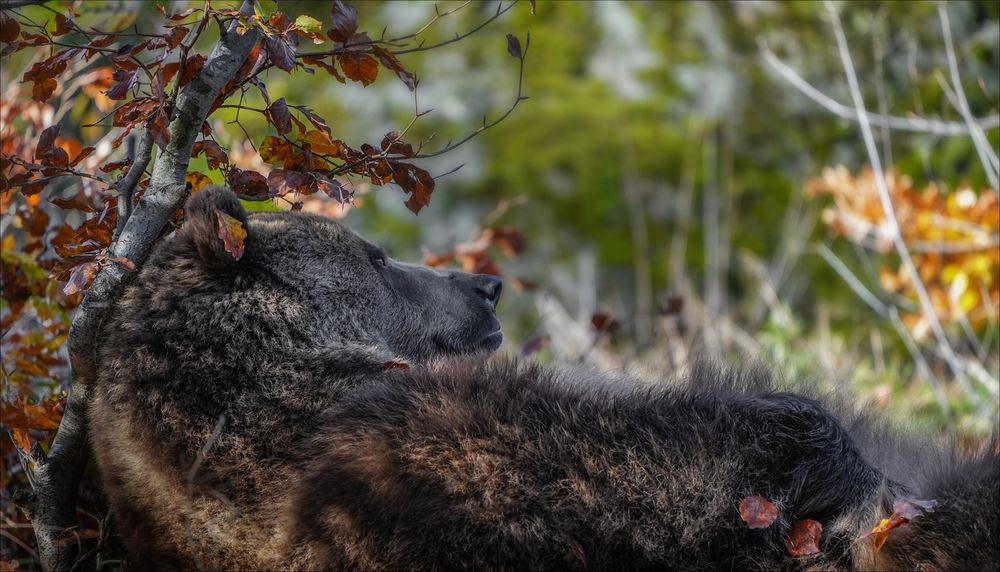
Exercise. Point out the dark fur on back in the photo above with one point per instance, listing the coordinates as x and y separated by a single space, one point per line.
247 418
516 467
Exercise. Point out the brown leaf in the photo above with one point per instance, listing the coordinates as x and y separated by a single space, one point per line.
508 239
395 365
345 21
63 25
249 185
415 181
159 128
231 232
278 115
317 121
213 153
46 141
276 150
77 203
320 143
22 441
126 81
391 143
9 28
83 154
604 322
174 37
390 61
803 539
514 46
181 15
43 89
81 278
333 189
280 182
329 67
359 67
758 512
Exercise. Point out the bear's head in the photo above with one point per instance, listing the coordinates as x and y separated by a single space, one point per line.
309 280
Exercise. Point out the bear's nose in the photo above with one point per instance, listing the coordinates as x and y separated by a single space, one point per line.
489 287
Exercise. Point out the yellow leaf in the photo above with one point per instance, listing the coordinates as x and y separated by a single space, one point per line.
196 181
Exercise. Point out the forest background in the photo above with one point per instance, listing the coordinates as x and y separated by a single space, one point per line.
683 180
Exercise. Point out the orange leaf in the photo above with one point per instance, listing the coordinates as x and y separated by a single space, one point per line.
232 233
803 539
197 181
758 512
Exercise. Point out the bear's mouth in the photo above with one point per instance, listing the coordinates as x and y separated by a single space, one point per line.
488 343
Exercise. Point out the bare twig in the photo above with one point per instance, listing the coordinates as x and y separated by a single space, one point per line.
986 153
126 185
915 124
927 307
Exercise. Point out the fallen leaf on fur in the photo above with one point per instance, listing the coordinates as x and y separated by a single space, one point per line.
758 512
196 181
395 365
803 539
232 233
903 510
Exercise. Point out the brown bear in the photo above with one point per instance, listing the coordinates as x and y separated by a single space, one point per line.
316 405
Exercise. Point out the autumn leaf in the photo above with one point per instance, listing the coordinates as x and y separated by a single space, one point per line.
395 365
803 539
9 28
392 143
249 185
390 61
275 150
126 81
22 415
196 181
359 67
904 509
345 21
280 182
320 143
21 440
231 232
81 278
213 153
280 52
277 114
758 512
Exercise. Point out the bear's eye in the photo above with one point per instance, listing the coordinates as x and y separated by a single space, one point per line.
379 261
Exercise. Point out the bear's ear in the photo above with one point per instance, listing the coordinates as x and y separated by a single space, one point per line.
204 215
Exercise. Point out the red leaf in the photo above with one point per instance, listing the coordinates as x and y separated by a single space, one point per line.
280 53
803 539
9 28
345 21
359 67
231 232
758 512
395 365
278 115
316 120
415 181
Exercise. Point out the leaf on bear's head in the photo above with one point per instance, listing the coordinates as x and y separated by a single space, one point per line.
231 232
395 365
803 539
758 512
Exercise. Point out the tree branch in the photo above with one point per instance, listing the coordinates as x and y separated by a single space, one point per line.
914 124
53 507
